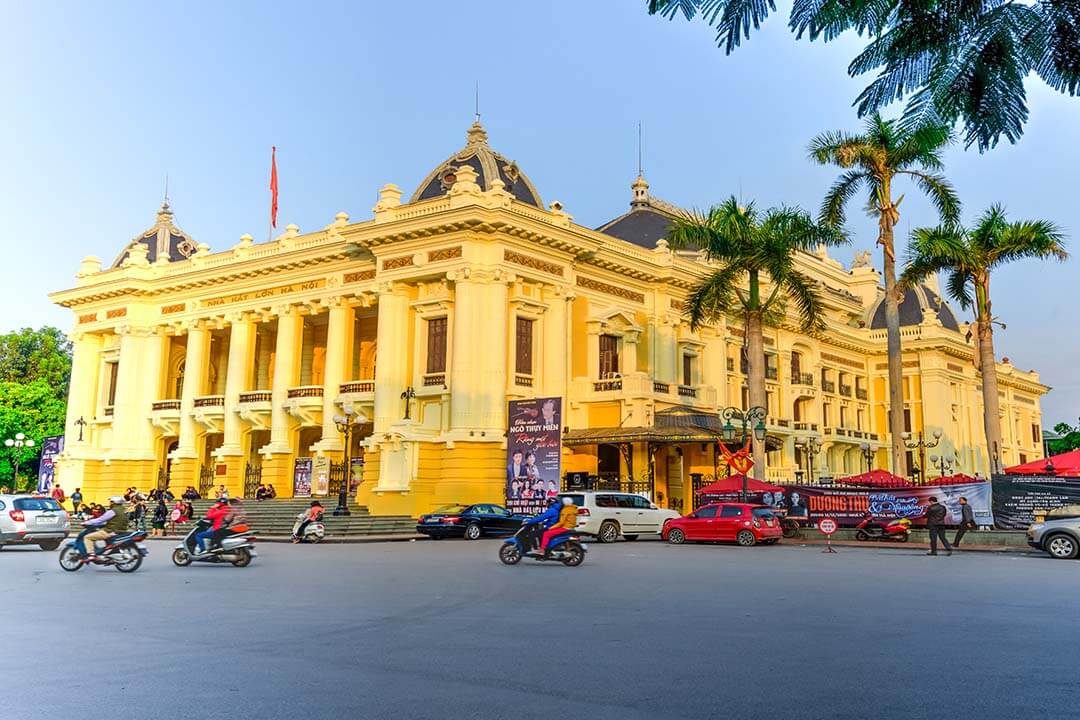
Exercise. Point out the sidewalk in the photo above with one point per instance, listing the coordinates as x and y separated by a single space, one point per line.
921 547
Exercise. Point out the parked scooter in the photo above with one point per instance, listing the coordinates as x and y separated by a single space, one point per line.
566 548
238 548
314 532
897 530
125 552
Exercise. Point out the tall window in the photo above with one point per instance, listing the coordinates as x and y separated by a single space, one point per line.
826 414
688 370
524 345
843 416
1035 433
609 355
113 370
796 365
907 419
436 345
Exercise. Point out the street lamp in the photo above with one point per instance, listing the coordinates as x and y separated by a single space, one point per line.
922 444
812 448
868 455
750 422
347 423
16 445
943 463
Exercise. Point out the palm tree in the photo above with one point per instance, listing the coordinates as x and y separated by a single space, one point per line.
874 160
969 256
757 272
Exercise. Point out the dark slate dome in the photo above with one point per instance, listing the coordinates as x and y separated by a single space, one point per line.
648 220
488 165
164 241
916 304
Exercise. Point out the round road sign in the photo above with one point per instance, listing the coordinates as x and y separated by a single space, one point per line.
827 526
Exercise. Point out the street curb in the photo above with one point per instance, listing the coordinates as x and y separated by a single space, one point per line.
918 546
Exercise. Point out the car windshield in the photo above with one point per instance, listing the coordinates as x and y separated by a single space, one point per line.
449 510
763 513
36 504
579 500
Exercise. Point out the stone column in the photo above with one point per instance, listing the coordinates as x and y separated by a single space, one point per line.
338 342
286 356
198 345
139 377
241 351
665 351
262 361
489 323
83 388
555 345
392 370
464 364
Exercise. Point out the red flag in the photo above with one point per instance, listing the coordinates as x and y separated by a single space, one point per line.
273 186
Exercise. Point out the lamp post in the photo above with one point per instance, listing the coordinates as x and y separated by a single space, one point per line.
16 445
868 455
408 396
944 463
347 423
922 444
812 448
749 421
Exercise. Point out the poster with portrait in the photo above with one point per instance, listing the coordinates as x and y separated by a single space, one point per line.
302 477
849 505
533 453
51 447
320 476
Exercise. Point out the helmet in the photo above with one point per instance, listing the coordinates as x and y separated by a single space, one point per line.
567 500
116 500
552 500
316 503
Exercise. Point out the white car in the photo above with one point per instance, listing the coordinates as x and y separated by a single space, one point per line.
607 515
32 520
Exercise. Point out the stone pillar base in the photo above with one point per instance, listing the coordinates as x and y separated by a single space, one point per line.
233 479
182 473
277 470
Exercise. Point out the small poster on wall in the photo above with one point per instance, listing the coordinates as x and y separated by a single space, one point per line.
302 477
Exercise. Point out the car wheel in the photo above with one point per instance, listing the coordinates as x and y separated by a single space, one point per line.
50 545
609 532
676 537
861 536
745 538
630 537
472 531
1061 547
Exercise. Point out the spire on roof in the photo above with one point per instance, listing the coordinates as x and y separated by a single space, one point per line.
476 135
641 193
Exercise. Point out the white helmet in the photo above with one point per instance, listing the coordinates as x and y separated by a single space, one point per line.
116 500
567 500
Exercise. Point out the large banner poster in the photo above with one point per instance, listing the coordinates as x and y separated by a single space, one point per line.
534 453
320 474
850 505
51 447
1017 497
302 477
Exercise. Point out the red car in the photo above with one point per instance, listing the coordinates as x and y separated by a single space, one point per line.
744 523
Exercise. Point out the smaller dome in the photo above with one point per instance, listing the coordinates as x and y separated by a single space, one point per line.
917 302
163 241
488 165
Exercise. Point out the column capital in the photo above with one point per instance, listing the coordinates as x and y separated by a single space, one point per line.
239 316
285 310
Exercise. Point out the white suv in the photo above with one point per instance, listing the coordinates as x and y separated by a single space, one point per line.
610 514
32 520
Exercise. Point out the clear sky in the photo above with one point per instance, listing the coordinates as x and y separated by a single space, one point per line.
102 100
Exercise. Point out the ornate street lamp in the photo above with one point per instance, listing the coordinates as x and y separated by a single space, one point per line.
408 396
812 447
347 423
944 464
16 445
922 444
868 455
750 422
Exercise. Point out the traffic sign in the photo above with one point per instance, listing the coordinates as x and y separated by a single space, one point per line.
827 526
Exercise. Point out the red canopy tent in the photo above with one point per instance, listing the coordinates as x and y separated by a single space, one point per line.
734 484
1063 465
876 478
957 479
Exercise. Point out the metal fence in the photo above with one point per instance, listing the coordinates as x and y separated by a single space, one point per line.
252 479
206 480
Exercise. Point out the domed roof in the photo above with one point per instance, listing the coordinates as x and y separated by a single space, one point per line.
488 165
164 241
917 302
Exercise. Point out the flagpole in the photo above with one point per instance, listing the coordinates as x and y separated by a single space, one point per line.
273 194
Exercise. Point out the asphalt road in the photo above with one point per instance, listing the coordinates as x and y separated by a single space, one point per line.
641 630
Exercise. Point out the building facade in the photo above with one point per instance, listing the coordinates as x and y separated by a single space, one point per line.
196 367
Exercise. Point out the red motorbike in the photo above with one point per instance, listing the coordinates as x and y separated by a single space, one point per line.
896 530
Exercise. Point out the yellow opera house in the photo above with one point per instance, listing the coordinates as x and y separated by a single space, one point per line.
203 368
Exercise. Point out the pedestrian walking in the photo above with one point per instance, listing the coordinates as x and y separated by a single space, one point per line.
967 521
935 523
161 514
76 500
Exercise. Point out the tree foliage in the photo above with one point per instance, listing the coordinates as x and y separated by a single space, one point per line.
954 60
28 355
1068 438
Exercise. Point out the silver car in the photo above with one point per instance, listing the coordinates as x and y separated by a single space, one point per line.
1059 534
32 520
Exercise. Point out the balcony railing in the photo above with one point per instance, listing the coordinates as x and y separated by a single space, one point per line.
607 385
771 373
812 427
210 401
845 390
860 393
161 405
434 379
357 386
256 396
803 379
306 391
523 380
662 388
687 391
779 422
828 386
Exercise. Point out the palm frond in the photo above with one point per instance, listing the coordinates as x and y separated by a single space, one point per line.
1058 45
934 249
940 192
803 294
833 206
958 287
714 297
1029 239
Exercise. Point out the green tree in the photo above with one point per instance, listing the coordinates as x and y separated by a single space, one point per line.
34 410
954 60
874 161
27 355
757 273
969 256
1068 438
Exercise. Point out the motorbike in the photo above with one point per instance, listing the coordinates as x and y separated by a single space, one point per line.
124 551
566 548
314 532
237 548
897 530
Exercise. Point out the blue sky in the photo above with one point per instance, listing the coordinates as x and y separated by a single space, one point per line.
102 100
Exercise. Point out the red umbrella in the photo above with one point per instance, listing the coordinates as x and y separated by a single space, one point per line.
1063 465
734 484
876 478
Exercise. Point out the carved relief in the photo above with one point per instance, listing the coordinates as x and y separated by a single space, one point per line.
358 276
603 287
89 317
842 361
116 313
397 262
443 254
530 262
174 308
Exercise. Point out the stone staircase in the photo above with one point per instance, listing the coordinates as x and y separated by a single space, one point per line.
271 518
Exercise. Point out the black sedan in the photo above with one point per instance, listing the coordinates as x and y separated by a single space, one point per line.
469 521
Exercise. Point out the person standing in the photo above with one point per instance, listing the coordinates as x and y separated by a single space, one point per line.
935 523
76 500
967 521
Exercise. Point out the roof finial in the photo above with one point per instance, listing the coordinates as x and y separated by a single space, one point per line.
165 201
640 170
476 101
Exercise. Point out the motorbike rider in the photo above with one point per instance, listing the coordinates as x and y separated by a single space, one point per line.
235 517
111 522
312 514
568 514
544 520
216 515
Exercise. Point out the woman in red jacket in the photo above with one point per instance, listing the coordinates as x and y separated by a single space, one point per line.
216 515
